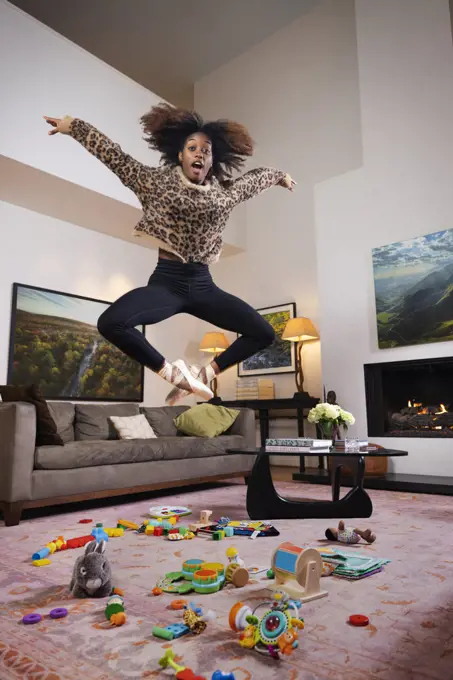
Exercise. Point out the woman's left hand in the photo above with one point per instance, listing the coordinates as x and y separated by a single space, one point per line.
288 182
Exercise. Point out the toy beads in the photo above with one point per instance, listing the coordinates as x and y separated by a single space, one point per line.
57 613
31 618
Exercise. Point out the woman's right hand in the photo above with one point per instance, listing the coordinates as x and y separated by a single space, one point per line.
62 125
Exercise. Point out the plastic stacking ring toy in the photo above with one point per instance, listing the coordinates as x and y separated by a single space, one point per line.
31 618
58 613
178 604
359 620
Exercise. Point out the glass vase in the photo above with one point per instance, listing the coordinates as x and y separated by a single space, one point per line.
330 430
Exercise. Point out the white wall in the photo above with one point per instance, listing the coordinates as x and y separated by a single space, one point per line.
48 253
46 74
298 94
403 190
49 75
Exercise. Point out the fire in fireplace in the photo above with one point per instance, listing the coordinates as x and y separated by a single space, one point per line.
429 410
415 417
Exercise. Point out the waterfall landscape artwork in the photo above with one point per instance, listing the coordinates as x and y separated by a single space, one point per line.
54 343
413 283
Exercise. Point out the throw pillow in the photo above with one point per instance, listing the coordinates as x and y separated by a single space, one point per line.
133 427
92 420
46 429
206 420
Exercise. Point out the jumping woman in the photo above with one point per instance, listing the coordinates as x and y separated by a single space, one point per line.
186 204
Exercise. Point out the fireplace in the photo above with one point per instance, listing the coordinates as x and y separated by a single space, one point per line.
410 398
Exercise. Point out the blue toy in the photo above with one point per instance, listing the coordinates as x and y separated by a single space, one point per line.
99 533
219 675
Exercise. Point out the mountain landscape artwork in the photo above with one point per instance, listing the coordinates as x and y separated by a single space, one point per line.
55 343
413 282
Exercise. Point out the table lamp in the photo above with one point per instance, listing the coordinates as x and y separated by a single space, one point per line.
299 330
214 343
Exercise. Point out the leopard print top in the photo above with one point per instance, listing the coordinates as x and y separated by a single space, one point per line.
187 219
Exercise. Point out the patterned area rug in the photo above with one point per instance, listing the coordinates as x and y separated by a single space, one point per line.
410 604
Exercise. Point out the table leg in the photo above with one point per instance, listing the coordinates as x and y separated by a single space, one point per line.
263 501
335 471
301 433
264 426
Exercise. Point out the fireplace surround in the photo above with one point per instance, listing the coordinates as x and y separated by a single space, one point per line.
410 398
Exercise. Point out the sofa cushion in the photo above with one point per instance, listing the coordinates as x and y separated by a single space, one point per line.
46 428
161 418
63 413
133 427
92 420
81 454
206 420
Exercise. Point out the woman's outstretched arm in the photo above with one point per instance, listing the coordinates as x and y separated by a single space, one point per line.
256 181
133 174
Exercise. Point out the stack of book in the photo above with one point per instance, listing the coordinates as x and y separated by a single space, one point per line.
255 388
299 445
353 566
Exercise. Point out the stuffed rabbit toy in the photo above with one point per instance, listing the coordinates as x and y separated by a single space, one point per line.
92 576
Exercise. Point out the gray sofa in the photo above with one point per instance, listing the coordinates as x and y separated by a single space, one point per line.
94 463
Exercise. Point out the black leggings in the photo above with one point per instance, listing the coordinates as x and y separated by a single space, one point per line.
175 288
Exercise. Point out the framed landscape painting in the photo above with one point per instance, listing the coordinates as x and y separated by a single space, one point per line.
54 343
413 282
280 357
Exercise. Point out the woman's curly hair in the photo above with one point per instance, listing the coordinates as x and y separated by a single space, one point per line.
167 129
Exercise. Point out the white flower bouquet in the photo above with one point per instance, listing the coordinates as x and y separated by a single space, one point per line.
330 417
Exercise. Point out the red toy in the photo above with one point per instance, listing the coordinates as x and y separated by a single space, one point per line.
359 620
182 673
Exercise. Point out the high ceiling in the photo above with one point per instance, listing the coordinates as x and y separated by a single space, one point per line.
166 45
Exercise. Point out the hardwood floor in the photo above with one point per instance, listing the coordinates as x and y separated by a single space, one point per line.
283 473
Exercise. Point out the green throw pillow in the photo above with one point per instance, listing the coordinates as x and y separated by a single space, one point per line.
206 420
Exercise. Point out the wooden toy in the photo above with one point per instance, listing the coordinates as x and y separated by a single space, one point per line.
204 521
297 572
236 575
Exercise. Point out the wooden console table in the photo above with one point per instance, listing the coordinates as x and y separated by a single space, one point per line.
263 406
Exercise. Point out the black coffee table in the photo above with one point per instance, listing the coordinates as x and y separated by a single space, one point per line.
263 501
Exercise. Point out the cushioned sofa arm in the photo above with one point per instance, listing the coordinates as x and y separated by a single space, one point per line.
17 450
244 425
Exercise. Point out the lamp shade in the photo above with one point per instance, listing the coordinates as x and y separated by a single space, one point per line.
299 330
214 342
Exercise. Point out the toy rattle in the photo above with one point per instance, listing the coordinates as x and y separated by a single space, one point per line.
184 673
275 632
349 535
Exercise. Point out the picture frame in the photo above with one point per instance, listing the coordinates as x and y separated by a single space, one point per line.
280 357
54 343
412 285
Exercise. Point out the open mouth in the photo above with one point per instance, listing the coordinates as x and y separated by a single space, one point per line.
197 165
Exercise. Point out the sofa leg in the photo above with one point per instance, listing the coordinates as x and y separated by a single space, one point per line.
12 513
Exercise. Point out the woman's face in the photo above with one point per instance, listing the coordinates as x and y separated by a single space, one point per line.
196 157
